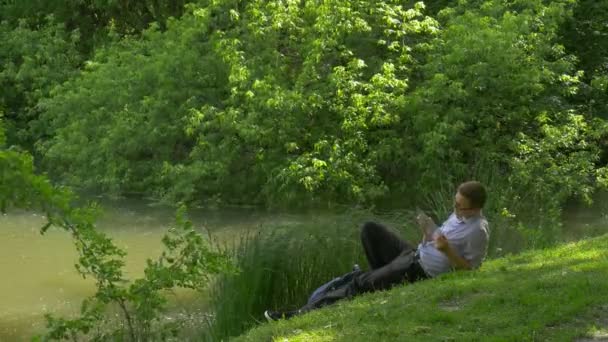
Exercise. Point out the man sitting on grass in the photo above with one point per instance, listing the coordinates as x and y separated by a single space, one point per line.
460 243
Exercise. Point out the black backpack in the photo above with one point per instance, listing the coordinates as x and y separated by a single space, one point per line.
335 289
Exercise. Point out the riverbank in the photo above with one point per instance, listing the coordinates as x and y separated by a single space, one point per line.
554 294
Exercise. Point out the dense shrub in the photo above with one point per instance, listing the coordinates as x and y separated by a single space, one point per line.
117 124
187 115
94 18
318 102
32 62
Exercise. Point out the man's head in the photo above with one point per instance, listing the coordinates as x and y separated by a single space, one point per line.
469 199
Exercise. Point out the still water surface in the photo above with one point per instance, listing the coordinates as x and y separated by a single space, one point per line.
39 274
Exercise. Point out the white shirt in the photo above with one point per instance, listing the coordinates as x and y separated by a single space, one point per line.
469 239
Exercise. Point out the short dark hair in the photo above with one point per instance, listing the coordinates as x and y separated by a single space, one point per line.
475 192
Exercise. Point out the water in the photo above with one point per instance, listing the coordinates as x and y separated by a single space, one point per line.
39 273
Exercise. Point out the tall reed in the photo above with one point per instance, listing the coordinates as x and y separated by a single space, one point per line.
280 266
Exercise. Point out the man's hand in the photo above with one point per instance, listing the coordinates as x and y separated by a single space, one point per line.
442 244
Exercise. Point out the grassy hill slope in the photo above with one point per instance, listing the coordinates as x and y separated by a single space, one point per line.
558 294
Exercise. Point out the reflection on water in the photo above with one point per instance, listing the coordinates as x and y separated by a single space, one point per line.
39 273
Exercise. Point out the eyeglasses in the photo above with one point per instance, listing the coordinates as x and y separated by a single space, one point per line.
458 207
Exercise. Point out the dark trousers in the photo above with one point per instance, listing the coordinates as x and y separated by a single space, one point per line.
391 259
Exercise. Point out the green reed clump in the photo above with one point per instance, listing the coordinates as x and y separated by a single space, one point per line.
279 267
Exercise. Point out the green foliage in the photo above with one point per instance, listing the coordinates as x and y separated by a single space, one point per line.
319 102
338 92
586 36
315 90
563 157
94 18
32 62
489 75
116 124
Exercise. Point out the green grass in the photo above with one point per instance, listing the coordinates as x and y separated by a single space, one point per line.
555 294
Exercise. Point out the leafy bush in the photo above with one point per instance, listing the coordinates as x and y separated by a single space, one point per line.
94 18
32 62
321 102
316 96
116 124
199 104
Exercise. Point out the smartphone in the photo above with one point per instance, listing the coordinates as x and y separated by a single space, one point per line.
428 229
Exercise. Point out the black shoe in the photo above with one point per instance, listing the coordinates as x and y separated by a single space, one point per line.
272 316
